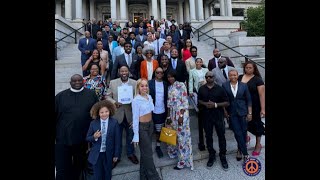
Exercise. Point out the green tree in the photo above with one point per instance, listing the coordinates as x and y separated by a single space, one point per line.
254 22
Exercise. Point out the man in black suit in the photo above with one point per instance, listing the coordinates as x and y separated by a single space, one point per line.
124 59
213 63
178 65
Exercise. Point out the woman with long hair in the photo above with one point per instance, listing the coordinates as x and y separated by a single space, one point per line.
142 107
251 76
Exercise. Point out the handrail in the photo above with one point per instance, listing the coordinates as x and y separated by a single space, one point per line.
66 35
215 46
75 38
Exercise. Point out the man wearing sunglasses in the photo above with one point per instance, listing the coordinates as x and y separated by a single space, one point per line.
221 72
213 99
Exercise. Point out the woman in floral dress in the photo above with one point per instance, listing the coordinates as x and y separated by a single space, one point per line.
179 114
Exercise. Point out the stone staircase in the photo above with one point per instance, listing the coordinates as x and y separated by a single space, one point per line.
68 63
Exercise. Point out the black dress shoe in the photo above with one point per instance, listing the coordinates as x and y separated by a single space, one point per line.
201 147
177 168
224 162
133 158
159 152
212 159
114 164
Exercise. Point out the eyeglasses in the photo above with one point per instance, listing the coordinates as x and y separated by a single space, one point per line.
208 77
159 72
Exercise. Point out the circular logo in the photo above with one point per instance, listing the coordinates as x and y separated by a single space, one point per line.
251 166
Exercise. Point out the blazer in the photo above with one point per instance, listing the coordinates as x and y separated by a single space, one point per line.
143 68
239 104
212 63
119 62
82 46
190 64
181 70
194 81
112 142
112 95
220 79
152 92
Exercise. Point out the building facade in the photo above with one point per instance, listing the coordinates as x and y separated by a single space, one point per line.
194 11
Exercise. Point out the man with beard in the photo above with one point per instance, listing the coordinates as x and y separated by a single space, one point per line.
213 99
72 111
179 66
124 59
221 71
124 111
213 63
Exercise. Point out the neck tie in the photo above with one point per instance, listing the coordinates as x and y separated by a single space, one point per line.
174 63
129 60
103 139
224 73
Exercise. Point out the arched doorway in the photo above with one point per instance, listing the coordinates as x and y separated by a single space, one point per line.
137 10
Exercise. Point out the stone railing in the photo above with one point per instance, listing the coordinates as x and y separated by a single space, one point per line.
218 27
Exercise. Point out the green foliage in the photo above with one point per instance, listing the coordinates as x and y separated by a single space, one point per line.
254 24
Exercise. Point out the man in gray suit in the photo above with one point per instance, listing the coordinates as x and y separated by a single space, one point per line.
221 72
124 111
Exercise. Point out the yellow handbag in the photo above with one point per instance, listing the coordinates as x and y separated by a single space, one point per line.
168 136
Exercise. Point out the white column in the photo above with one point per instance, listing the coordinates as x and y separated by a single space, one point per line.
113 8
58 8
122 9
84 10
192 10
180 13
222 8
200 10
163 10
92 13
67 9
118 9
155 9
79 10
229 8
206 11
186 11
127 11
150 10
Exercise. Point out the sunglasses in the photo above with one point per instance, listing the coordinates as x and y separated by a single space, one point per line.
159 72
209 76
220 62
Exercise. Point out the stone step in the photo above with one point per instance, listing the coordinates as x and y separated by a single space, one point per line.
126 166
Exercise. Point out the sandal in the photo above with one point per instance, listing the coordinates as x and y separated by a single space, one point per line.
257 153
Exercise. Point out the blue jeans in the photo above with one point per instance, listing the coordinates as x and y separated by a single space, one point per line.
129 137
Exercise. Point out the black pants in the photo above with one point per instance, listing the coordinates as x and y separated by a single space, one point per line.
147 168
216 120
200 127
70 161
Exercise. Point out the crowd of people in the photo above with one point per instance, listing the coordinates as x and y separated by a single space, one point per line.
141 78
